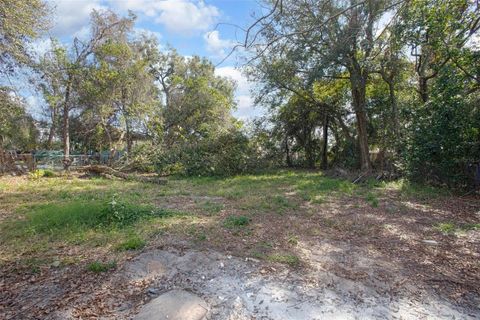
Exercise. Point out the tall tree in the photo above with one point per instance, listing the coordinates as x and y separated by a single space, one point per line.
436 31
74 65
17 128
197 102
20 23
328 37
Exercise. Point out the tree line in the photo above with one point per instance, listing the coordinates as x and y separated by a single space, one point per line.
375 84
359 84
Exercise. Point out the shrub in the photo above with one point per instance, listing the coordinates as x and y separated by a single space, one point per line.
142 158
443 139
227 154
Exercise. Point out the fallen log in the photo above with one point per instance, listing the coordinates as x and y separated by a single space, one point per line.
108 173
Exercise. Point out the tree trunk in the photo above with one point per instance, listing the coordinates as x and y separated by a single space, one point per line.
287 151
310 155
66 128
358 87
423 88
129 137
51 132
325 142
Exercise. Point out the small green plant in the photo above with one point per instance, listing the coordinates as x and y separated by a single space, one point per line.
48 173
39 173
372 199
132 243
98 266
285 258
451 228
123 213
293 240
446 227
236 221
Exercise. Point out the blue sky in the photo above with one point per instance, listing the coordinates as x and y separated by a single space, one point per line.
193 27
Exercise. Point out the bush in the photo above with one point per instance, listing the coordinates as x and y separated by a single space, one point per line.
444 135
142 158
227 154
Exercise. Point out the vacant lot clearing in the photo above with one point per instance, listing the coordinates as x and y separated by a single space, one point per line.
281 245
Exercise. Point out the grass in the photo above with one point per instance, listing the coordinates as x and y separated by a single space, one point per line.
372 199
236 221
98 266
452 228
409 189
211 207
132 243
284 258
46 215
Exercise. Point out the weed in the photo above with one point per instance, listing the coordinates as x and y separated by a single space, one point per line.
123 213
39 173
132 243
446 227
285 258
98 266
372 199
293 240
236 221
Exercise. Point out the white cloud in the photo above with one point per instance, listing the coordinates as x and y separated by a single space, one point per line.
245 104
243 86
215 44
179 16
72 16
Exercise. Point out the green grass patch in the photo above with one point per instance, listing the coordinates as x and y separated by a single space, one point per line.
372 199
284 258
134 242
452 228
236 222
98 266
415 190
446 227
79 221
